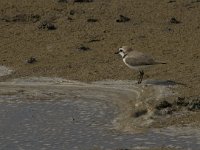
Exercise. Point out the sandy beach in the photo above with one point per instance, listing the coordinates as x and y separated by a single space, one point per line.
149 30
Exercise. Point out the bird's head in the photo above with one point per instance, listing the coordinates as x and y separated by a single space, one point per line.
124 50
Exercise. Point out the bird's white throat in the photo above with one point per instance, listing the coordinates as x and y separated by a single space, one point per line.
122 54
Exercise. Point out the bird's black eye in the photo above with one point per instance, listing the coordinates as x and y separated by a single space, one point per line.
121 50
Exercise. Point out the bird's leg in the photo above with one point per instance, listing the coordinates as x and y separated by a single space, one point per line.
140 76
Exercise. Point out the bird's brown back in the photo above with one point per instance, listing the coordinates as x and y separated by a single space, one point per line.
136 58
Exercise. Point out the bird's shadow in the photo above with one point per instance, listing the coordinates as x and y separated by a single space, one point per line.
164 82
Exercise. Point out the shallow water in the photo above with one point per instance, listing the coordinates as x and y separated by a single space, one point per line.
71 115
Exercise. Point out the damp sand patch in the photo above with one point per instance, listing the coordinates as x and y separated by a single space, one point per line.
4 71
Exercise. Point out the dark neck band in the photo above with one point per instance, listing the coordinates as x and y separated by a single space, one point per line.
124 56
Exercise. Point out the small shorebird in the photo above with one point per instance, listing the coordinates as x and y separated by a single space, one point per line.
136 60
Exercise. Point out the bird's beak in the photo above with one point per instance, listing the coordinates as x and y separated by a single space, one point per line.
117 52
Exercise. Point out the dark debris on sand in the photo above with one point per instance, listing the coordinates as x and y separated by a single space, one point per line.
31 60
173 20
22 18
83 48
139 113
46 25
72 12
163 108
163 104
181 103
123 19
62 1
171 1
190 103
73 1
197 1
92 20
83 1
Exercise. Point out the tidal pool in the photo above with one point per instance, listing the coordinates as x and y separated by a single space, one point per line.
43 113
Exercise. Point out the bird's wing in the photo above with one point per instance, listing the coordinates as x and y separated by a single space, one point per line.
139 59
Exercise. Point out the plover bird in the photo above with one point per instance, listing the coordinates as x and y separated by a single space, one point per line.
136 60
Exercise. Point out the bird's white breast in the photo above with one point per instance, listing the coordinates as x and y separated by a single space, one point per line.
137 67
